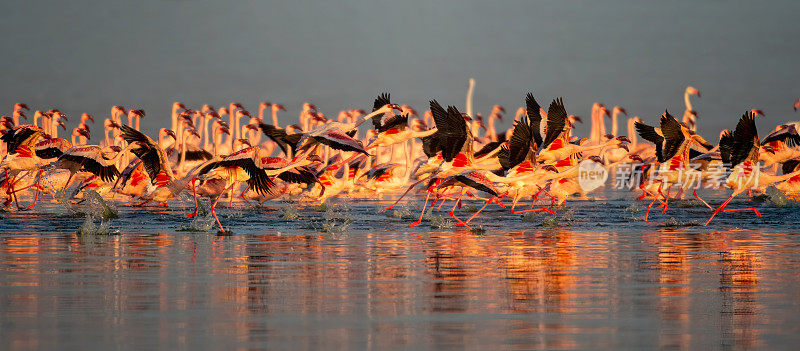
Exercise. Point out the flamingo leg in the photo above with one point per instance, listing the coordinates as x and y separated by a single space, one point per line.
244 198
194 194
719 208
214 206
38 187
701 200
452 211
424 206
665 205
485 203
404 194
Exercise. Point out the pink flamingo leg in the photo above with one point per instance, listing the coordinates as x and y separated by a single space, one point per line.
244 198
718 209
666 199
701 200
194 193
424 206
404 194
452 213
214 206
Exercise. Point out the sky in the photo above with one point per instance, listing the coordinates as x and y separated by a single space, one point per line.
86 56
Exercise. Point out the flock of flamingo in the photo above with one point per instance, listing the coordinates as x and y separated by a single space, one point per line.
454 154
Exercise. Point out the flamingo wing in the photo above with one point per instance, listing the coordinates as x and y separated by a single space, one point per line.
787 134
745 139
396 121
284 140
298 175
649 133
259 180
380 101
520 145
88 158
556 120
18 136
534 116
790 166
673 135
337 139
451 131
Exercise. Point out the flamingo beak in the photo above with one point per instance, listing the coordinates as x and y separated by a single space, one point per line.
550 168
623 138
171 133
314 159
89 117
281 107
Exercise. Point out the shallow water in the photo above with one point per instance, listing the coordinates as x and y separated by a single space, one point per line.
591 276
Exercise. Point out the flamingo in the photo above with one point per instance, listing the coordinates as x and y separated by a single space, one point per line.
740 149
690 115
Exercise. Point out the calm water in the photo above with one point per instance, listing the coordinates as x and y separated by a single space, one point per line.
593 276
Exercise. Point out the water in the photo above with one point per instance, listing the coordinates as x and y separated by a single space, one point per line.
590 276
340 55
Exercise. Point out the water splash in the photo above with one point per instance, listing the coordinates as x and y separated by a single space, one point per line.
89 228
290 213
440 222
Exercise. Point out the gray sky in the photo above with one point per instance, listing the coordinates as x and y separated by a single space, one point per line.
87 56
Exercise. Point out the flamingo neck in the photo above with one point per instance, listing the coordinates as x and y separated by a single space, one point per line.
614 124
687 101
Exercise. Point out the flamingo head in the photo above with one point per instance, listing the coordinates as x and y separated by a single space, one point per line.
222 111
550 168
83 132
768 149
636 158
292 128
115 148
222 123
417 125
278 107
797 104
572 119
757 112
136 113
262 105
313 159
167 132
207 108
690 90
596 158
177 105
61 124
118 109
224 130
19 113
86 116
244 142
235 105
240 113
604 111
309 107
621 110
212 114
19 106
318 117
252 126
408 111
